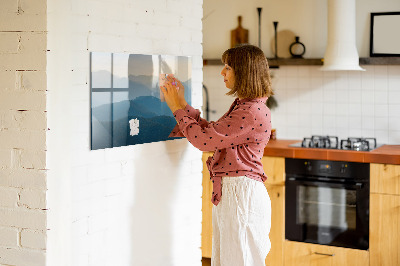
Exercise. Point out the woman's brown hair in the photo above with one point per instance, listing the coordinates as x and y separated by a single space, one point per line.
250 66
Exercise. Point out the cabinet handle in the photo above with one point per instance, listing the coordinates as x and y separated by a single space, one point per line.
324 254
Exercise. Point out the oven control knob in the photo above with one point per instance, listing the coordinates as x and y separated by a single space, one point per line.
343 168
308 166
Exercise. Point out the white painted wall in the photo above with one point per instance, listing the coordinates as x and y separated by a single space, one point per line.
136 205
311 102
23 133
306 18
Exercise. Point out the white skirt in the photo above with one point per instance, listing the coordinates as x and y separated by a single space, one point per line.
241 223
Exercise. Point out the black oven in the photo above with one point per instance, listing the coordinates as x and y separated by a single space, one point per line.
327 202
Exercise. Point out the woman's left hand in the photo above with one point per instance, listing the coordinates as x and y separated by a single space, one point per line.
171 94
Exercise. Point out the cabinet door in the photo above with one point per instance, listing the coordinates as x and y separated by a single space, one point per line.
274 168
304 254
277 233
206 226
385 178
384 230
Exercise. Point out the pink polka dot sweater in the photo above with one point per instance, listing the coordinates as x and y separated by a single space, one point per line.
238 139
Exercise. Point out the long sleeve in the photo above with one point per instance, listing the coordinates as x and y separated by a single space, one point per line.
238 140
193 113
231 130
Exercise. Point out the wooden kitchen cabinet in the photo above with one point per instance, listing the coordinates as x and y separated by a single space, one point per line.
305 254
274 168
277 233
385 215
385 178
384 236
206 225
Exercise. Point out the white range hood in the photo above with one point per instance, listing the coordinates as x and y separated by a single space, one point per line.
341 51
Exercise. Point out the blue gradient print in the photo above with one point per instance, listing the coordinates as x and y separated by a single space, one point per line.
125 87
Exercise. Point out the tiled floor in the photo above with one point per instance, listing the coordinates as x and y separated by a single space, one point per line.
206 261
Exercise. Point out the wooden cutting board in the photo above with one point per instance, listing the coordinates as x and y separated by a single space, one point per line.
239 35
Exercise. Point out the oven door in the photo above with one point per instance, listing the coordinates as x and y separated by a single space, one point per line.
327 213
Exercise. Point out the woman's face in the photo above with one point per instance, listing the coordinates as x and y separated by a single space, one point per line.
229 76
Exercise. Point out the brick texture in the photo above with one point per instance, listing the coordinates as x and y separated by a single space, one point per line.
23 125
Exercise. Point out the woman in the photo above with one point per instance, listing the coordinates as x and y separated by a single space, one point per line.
242 208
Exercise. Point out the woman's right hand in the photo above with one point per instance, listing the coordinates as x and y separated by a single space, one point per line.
181 91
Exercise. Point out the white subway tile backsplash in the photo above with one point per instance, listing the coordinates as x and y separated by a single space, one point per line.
367 133
381 97
394 136
355 132
342 133
382 136
381 84
304 82
328 74
293 120
291 71
329 123
394 71
394 123
342 122
394 110
394 97
316 72
382 110
316 83
342 81
380 71
381 123
304 72
355 96
342 96
317 120
342 109
355 103
367 96
394 82
355 122
329 93
368 122
292 83
329 109
367 110
354 80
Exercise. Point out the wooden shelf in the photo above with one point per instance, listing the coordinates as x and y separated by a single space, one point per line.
380 61
294 62
274 63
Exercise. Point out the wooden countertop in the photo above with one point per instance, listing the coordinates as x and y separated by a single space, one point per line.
389 154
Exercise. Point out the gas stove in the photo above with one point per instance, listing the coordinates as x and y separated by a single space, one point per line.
332 142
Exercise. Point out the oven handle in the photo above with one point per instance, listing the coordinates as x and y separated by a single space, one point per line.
357 185
324 254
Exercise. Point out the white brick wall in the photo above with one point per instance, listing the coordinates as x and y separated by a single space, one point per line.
23 132
136 205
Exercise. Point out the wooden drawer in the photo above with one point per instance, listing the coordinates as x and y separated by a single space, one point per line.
304 254
385 178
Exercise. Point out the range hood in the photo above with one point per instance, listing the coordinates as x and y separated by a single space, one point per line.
341 51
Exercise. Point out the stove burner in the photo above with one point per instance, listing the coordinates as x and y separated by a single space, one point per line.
328 142
332 142
358 144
